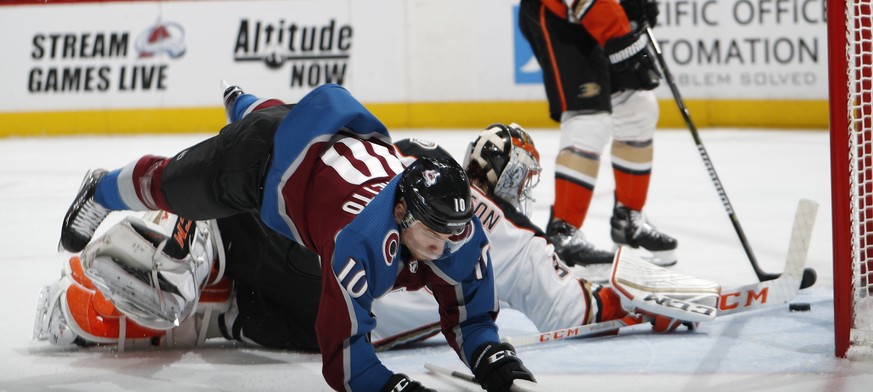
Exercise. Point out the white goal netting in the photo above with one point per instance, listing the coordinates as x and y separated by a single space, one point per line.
859 30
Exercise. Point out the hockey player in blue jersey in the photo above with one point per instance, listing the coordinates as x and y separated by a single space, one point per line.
323 173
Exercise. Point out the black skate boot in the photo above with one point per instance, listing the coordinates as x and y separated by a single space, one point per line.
230 95
630 227
572 247
84 215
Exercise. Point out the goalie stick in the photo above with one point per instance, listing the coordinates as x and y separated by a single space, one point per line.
731 301
809 276
735 300
517 385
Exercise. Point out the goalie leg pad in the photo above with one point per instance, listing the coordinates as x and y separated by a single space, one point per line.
70 313
651 290
128 265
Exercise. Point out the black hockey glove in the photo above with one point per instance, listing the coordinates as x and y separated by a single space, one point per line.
496 366
631 64
641 11
401 383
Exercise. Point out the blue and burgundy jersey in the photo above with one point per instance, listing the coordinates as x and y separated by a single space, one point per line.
332 187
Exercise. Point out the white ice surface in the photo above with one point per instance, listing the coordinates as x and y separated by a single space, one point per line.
764 172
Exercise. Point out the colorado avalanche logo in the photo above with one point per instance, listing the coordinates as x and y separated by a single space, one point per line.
430 177
166 38
390 245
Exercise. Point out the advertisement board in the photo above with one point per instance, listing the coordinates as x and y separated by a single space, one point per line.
156 66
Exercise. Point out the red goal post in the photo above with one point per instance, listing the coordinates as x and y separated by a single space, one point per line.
850 54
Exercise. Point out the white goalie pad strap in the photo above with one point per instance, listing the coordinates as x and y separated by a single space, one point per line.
643 286
218 248
153 289
48 308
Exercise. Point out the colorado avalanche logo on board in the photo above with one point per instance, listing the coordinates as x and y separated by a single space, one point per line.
430 177
166 38
390 245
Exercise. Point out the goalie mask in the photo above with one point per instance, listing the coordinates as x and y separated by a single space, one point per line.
504 157
437 195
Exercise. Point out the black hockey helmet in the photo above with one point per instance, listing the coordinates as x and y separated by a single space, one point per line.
437 193
505 158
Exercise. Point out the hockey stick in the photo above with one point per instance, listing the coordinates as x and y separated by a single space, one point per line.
579 331
731 301
517 385
809 275
782 289
420 333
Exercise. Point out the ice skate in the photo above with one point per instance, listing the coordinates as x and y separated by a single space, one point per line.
84 215
572 247
230 95
630 227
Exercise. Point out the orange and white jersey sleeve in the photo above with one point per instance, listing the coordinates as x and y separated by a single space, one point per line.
603 19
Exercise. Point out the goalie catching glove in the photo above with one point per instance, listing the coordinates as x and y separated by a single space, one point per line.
496 367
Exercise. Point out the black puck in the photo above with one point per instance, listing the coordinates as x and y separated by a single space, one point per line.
799 307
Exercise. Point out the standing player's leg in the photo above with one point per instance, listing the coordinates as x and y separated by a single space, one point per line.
576 77
635 114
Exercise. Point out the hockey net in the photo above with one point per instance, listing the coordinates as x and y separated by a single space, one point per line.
850 36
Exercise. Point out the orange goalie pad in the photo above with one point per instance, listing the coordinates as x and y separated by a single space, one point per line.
78 273
96 318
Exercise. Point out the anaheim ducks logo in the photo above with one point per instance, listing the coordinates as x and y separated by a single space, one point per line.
389 246
589 90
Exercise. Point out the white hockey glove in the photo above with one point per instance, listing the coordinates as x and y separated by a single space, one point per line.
129 266
666 298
